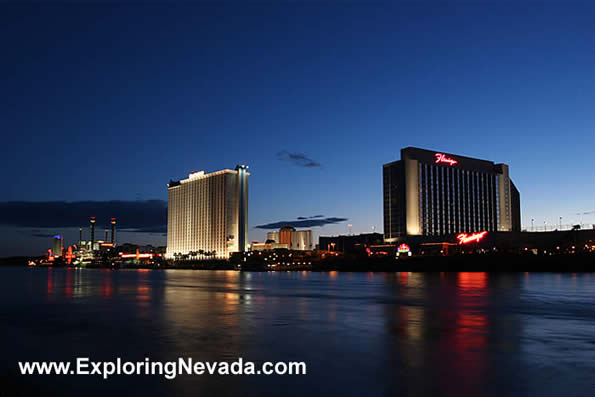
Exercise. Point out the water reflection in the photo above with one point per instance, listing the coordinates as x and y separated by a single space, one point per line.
106 288
50 282
474 283
444 327
68 287
470 334
407 333
471 319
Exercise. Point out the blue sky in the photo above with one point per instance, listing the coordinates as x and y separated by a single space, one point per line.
109 102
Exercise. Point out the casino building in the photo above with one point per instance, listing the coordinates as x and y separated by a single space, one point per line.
297 240
208 213
430 193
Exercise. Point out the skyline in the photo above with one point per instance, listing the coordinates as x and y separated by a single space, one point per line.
313 104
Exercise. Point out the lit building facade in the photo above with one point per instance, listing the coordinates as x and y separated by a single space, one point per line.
208 213
268 246
429 193
57 246
299 240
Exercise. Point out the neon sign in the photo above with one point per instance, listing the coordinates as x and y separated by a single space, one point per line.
465 238
443 158
403 248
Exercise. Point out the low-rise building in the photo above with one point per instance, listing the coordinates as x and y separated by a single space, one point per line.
349 243
297 240
268 246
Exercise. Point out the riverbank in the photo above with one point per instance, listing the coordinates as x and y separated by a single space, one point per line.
471 263
467 263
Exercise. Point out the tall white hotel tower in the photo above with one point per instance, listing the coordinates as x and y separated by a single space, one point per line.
209 213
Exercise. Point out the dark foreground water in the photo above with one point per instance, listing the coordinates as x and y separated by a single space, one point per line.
467 334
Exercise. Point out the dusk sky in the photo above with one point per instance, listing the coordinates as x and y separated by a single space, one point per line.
107 102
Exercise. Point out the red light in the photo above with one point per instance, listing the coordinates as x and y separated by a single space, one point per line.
137 256
404 248
69 255
464 238
443 158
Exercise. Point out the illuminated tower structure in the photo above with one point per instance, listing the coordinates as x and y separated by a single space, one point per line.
57 246
113 222
92 242
430 193
208 213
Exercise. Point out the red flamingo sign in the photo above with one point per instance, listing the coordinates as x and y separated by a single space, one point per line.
443 158
465 238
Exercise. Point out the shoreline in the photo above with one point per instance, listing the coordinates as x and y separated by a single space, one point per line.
562 263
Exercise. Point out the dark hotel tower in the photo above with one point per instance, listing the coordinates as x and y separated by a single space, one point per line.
430 193
515 203
243 206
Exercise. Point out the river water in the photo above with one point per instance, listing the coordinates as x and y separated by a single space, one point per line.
468 334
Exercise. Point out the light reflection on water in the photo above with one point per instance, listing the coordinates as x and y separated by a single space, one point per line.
373 333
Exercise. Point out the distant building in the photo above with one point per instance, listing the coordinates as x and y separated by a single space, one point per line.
57 246
208 213
429 193
349 243
298 240
268 246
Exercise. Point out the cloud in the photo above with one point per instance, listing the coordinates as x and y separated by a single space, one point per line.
299 159
147 216
302 223
44 235
310 217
